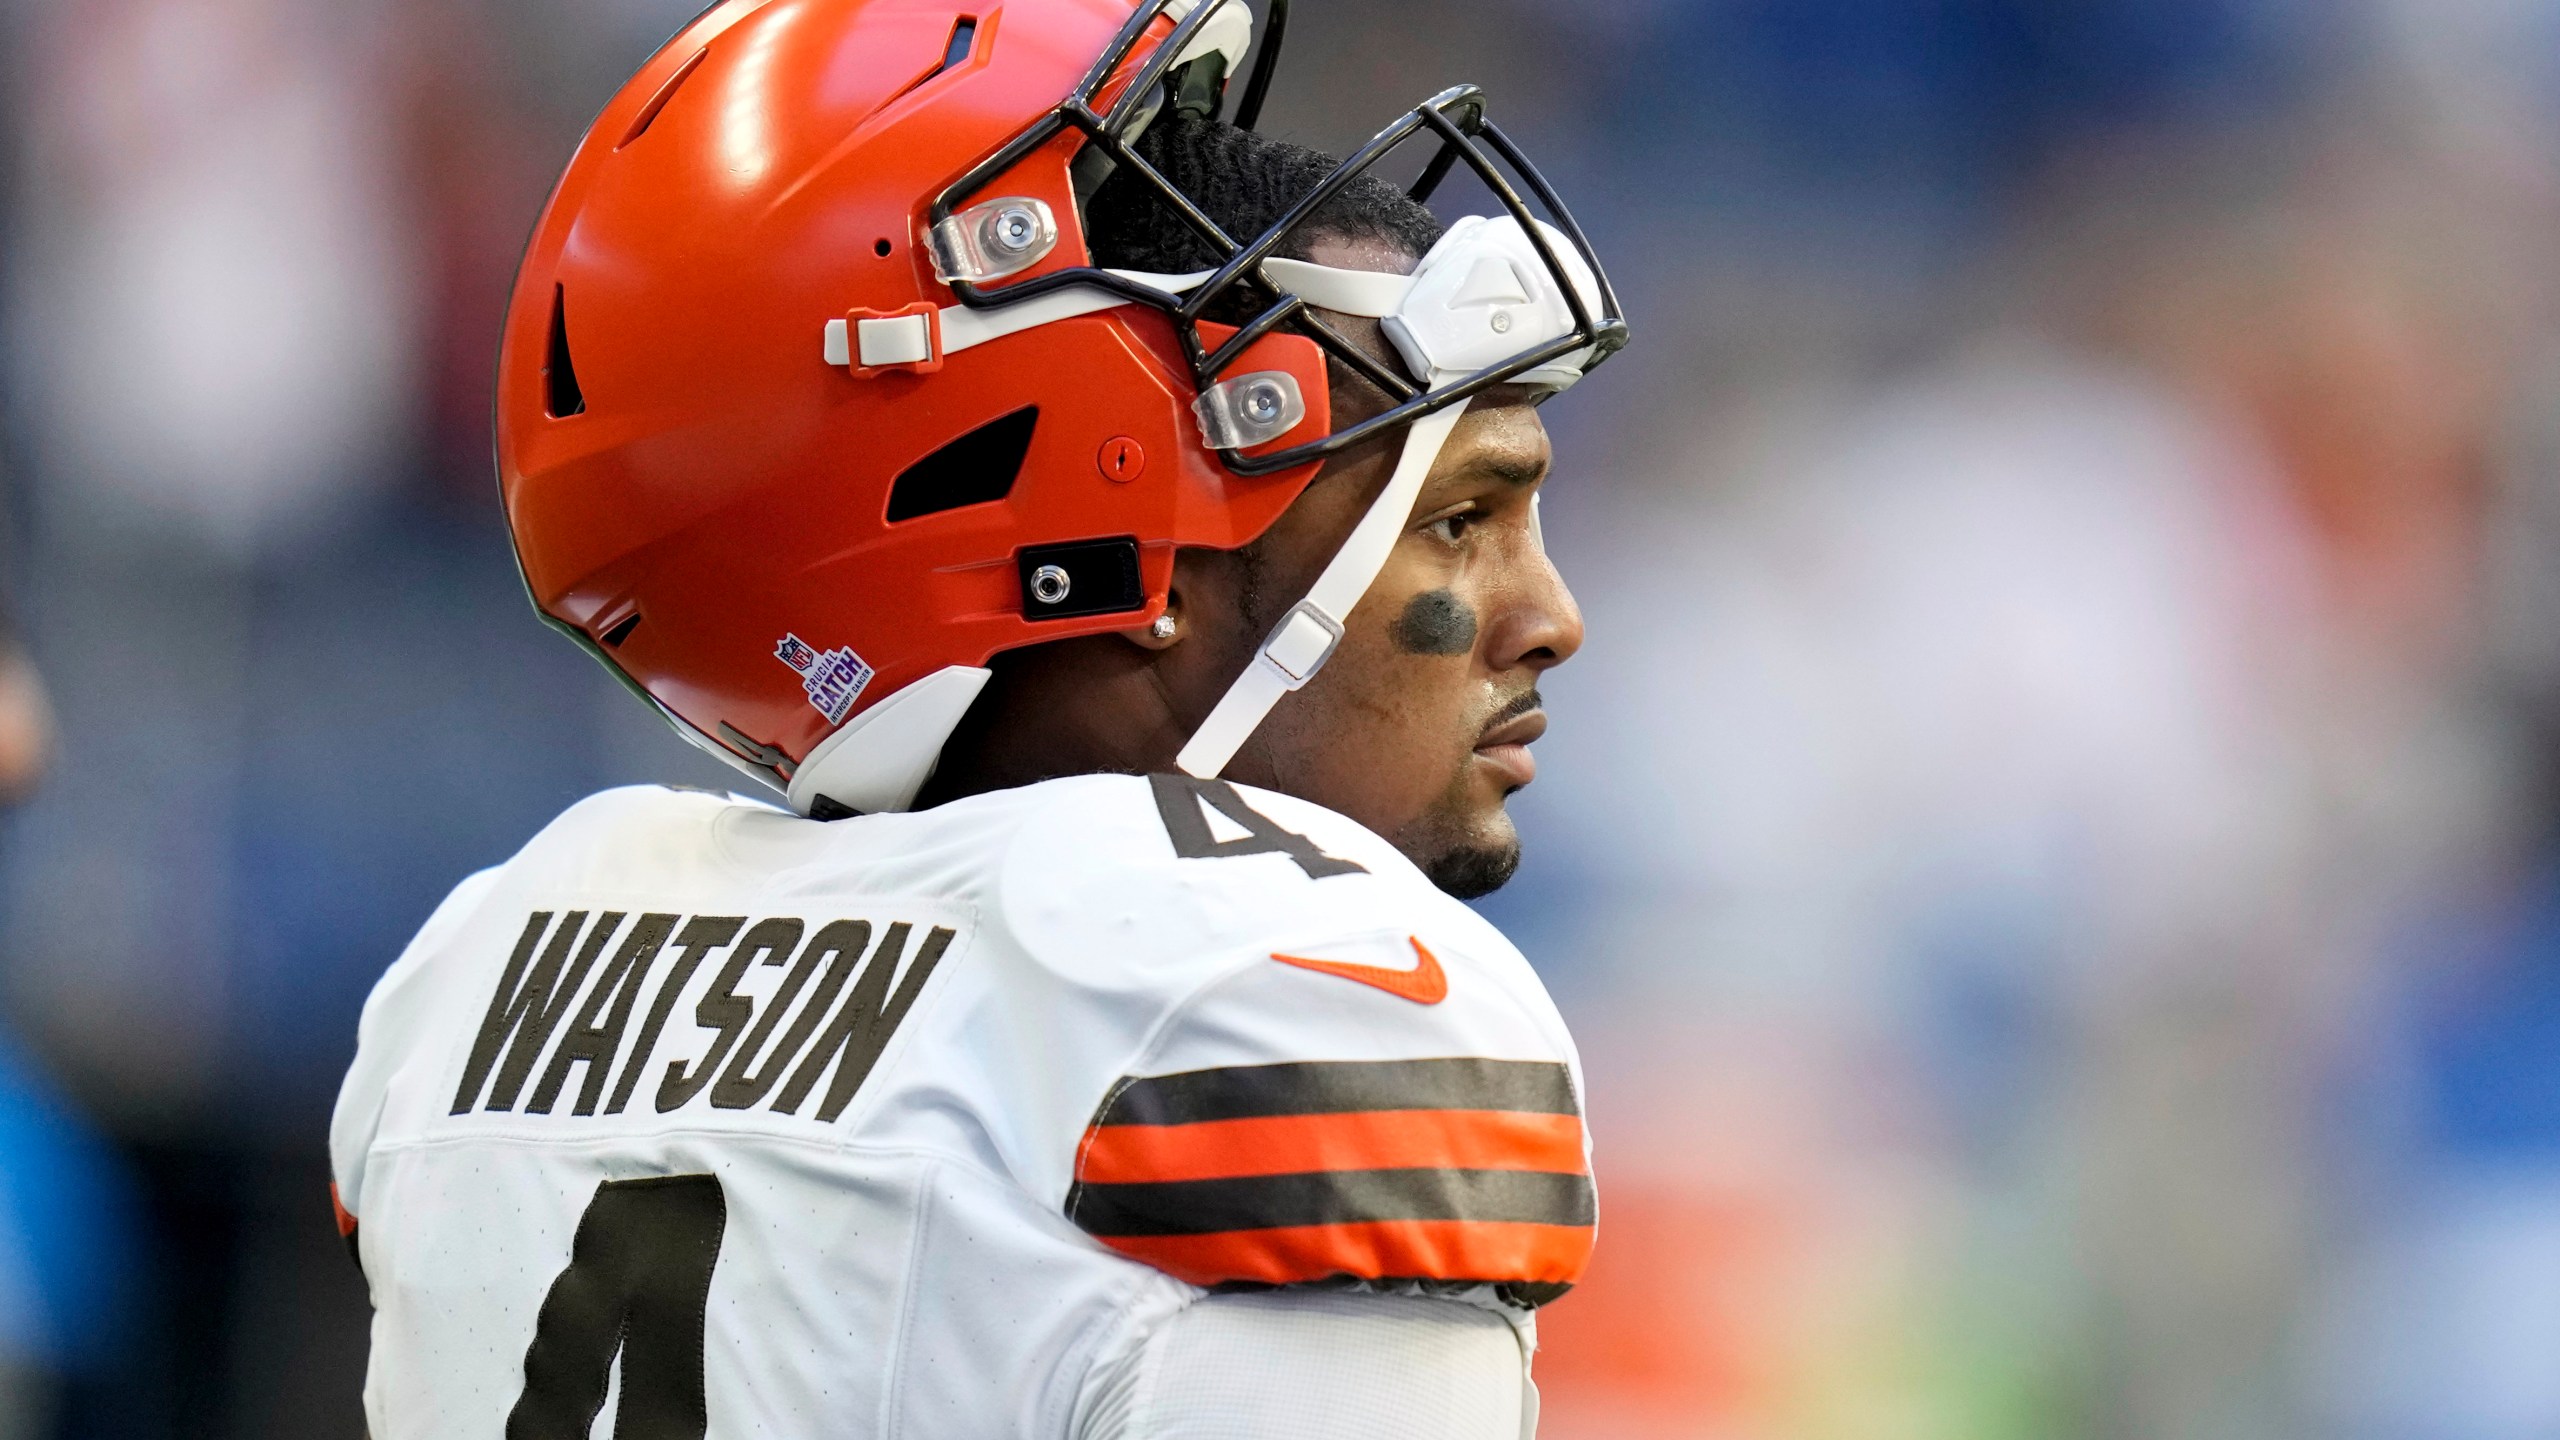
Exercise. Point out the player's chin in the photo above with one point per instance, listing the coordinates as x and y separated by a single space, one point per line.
1466 853
1471 871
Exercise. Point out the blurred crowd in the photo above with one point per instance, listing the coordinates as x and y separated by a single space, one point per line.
2050 850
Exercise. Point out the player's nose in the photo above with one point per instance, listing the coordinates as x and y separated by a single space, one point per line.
1538 625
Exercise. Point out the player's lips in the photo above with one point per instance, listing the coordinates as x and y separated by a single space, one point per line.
1505 747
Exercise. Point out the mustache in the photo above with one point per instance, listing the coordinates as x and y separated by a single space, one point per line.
1521 704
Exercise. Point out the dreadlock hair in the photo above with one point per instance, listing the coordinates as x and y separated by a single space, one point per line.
1245 182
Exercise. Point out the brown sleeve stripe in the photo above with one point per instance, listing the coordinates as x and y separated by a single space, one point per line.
1334 1087
1357 1140
1332 1197
1459 1170
1537 1262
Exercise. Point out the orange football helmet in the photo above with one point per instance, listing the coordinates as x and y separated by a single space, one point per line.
811 400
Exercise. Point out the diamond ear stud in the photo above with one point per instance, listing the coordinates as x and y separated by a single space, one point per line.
1164 627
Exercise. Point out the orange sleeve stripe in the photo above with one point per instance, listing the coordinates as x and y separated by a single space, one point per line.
346 1217
1358 1140
1371 1250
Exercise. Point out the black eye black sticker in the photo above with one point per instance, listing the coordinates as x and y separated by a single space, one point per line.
1436 623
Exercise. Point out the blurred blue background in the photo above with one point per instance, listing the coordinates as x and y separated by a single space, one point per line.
2048 850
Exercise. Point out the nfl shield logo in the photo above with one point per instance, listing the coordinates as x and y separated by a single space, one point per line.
833 679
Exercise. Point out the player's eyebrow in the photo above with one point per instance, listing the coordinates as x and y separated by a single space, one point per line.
1510 468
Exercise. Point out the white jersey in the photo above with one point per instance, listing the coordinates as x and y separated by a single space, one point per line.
724 1121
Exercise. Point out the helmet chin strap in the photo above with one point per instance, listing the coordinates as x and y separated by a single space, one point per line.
1307 636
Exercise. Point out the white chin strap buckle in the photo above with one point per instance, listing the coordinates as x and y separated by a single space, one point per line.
1300 644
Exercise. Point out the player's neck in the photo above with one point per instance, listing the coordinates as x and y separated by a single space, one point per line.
1078 707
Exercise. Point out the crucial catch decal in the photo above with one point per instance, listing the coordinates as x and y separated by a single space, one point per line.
846 986
833 679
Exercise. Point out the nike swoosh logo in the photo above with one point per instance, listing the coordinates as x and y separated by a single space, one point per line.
1425 984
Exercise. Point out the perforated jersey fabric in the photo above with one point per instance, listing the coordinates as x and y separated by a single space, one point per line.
921 1124
1291 1365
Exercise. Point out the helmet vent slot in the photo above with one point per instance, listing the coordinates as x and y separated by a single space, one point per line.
648 115
622 629
561 396
972 470
964 38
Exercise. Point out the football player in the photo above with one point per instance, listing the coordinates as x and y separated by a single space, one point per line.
1114 533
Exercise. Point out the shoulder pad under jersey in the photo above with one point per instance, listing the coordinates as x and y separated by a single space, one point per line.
1334 1072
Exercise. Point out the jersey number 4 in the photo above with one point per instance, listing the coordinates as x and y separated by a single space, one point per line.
1179 799
638 1286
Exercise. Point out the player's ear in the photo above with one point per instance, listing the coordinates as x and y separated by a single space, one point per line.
1165 631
